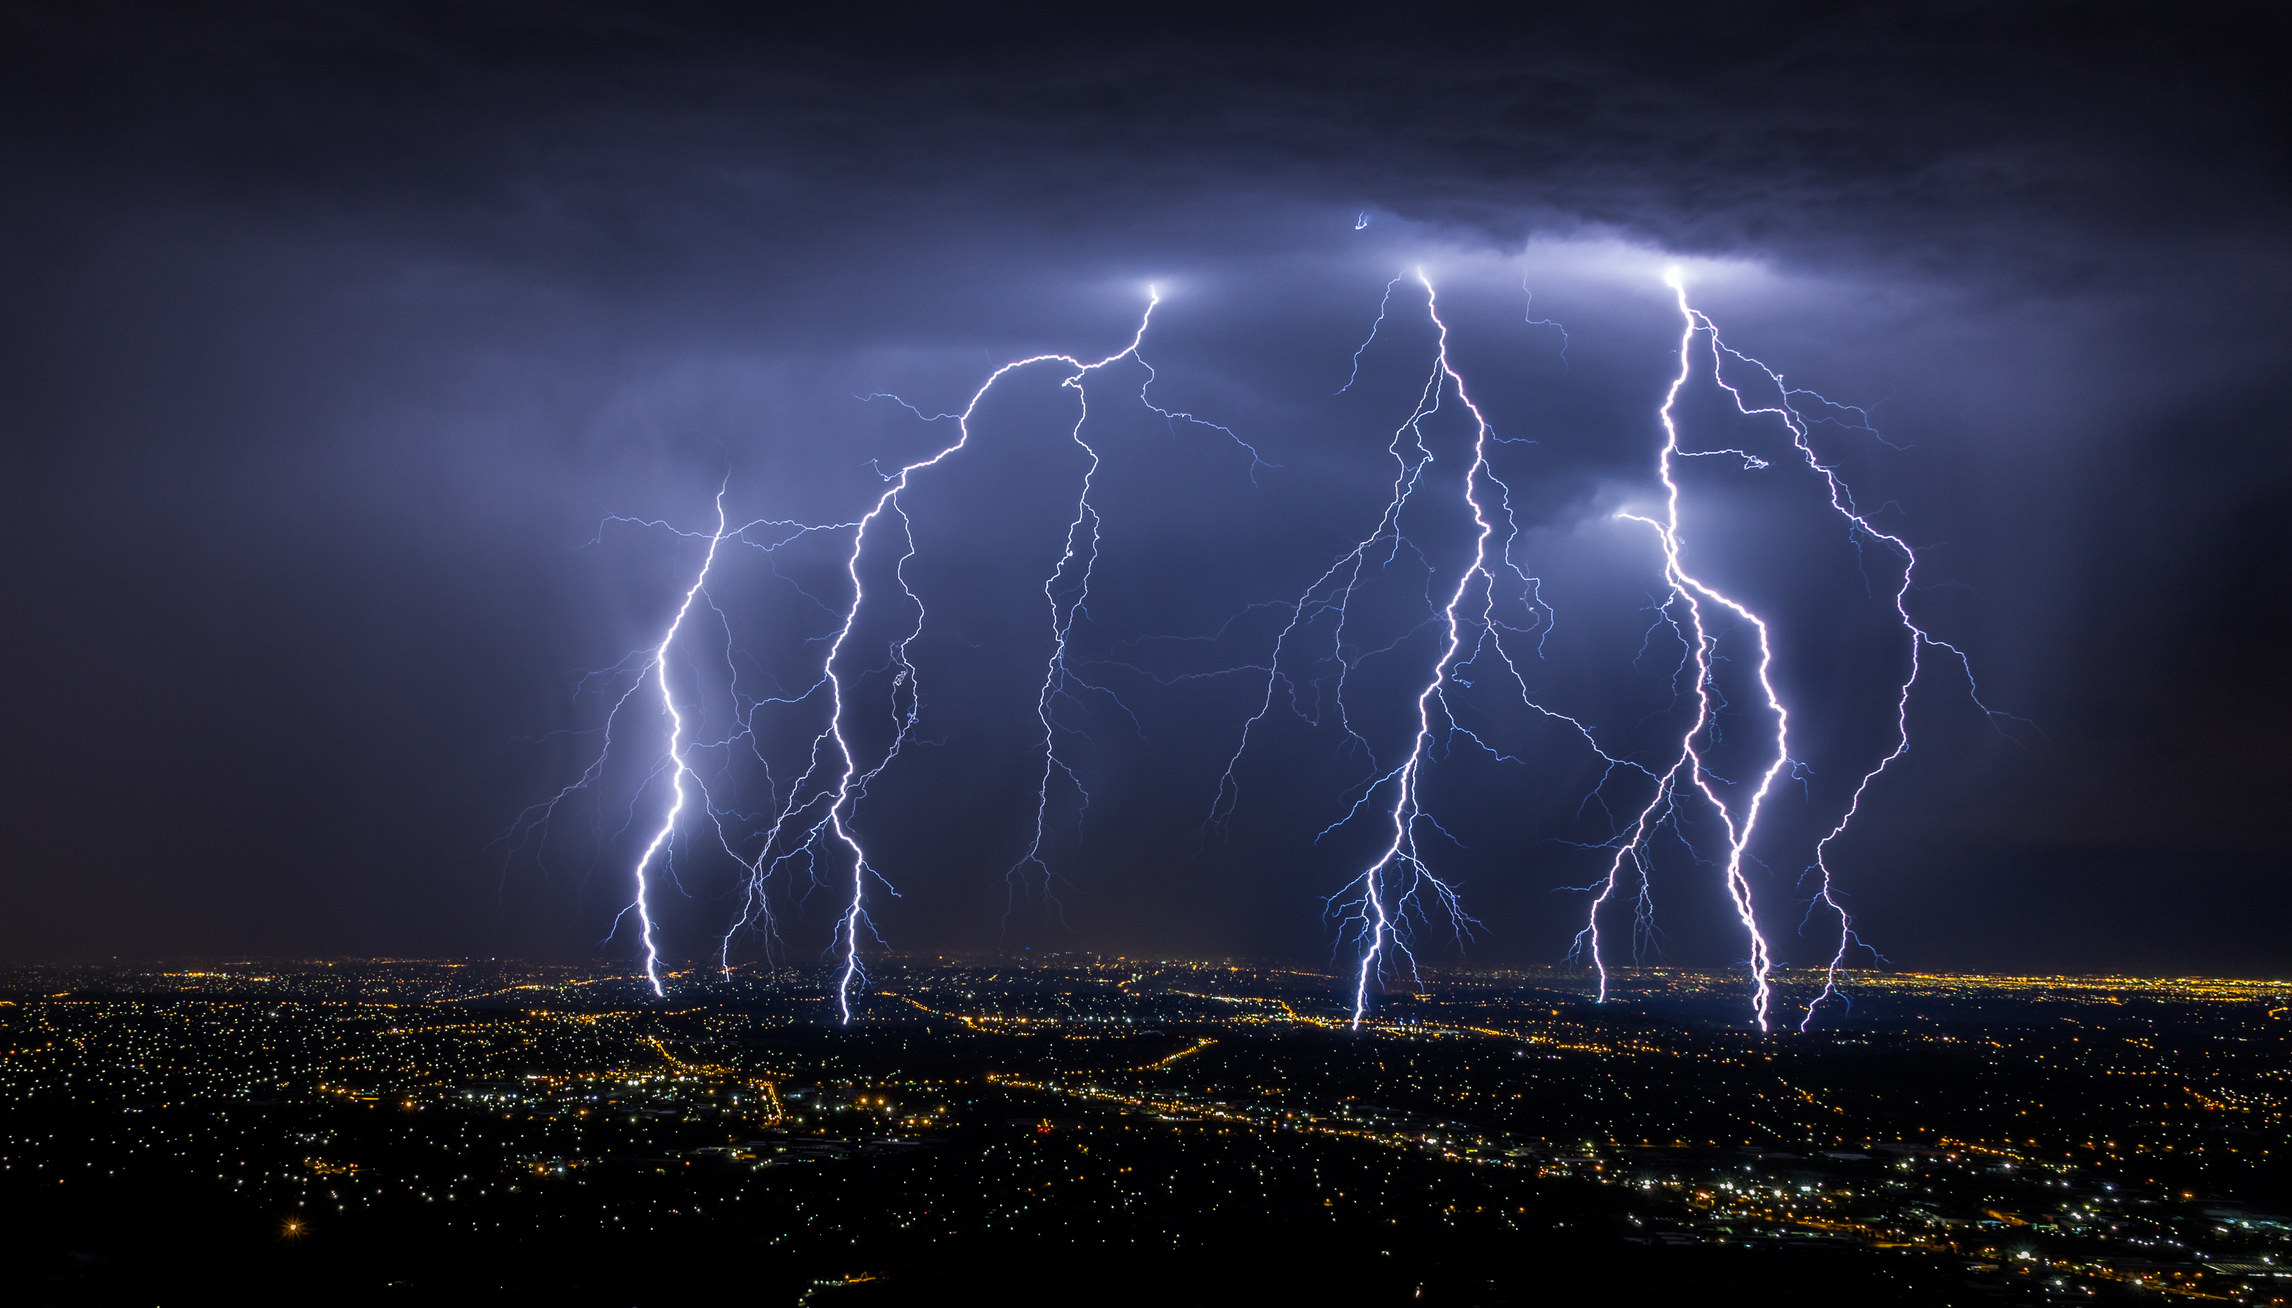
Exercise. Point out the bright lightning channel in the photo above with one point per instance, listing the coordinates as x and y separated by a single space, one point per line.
1400 857
679 747
815 819
680 771
1689 595
1080 556
1378 904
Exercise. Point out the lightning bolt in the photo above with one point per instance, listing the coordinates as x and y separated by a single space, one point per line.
679 746
1698 601
1068 601
680 771
1400 860
1376 907
1698 598
819 817
1529 307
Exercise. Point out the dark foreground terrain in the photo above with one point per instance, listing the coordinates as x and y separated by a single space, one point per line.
1103 1131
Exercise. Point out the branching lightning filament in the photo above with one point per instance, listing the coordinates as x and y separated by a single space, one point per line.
1694 609
1378 906
817 816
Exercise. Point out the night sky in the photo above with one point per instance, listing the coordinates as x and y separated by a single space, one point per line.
332 335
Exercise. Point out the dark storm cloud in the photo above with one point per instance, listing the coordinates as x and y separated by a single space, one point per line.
571 134
331 330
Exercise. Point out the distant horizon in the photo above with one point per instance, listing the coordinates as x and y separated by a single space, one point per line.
697 977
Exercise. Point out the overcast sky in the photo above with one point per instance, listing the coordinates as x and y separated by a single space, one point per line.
331 336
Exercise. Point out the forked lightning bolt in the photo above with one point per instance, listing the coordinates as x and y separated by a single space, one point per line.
1068 598
653 666
1700 603
680 771
1377 906
817 814
1692 610
1381 899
